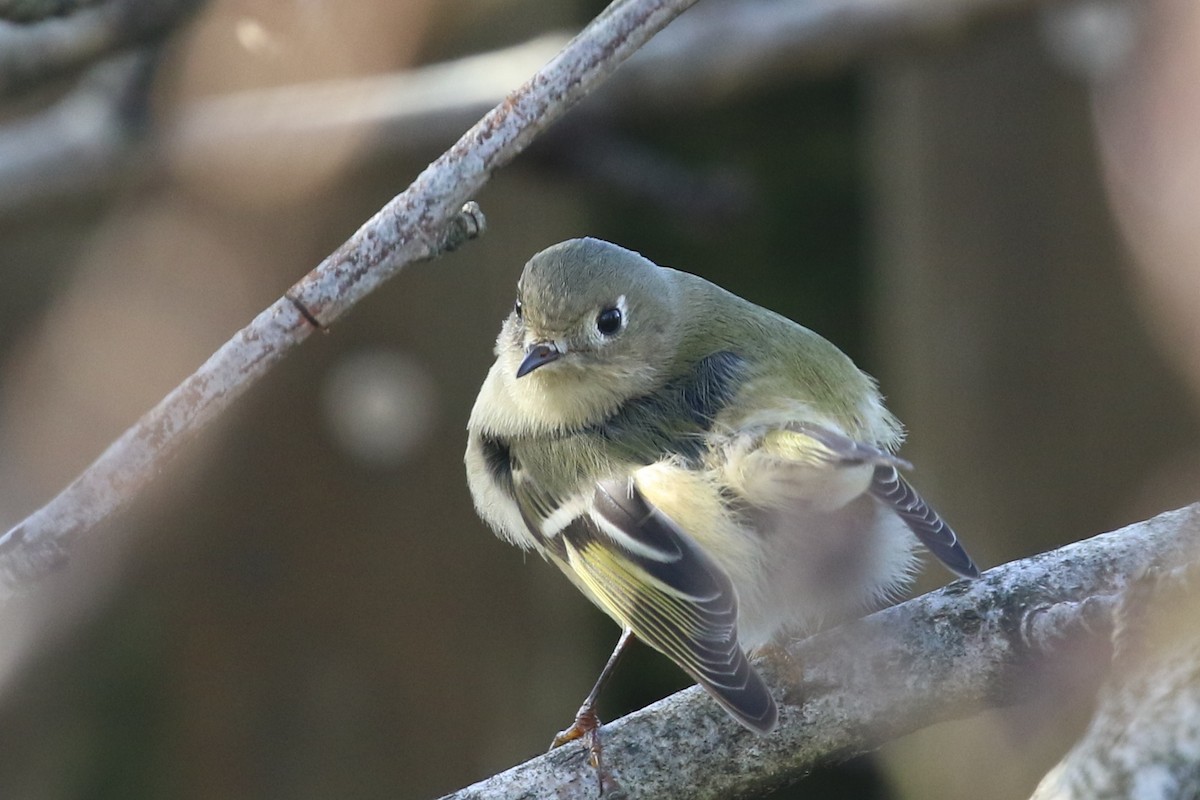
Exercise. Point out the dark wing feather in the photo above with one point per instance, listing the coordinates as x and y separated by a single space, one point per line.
890 487
655 579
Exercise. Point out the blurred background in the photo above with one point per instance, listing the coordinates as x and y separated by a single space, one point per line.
993 209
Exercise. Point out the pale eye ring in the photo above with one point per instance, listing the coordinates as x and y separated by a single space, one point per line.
608 321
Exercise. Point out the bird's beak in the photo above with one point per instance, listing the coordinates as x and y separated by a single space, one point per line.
538 355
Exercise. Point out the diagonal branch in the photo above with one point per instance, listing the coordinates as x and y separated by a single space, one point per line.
411 227
942 656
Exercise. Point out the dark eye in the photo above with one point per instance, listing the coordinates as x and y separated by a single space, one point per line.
517 309
608 321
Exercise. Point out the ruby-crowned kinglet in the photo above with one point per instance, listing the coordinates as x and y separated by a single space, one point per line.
709 473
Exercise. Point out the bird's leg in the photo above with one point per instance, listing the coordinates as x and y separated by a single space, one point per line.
587 724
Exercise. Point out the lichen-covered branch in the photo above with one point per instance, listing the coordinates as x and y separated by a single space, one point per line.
410 228
945 655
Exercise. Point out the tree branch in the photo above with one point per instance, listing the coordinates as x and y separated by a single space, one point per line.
411 227
846 691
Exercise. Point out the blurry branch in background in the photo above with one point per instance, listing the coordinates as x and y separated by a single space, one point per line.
595 152
946 655
43 38
718 52
87 139
1144 739
34 10
425 220
83 140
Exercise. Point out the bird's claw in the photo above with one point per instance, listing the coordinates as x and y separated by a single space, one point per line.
587 727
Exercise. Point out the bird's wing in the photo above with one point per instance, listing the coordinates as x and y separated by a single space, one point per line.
653 578
889 487
837 464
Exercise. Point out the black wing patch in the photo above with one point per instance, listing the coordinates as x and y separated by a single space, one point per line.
890 487
663 587
497 455
674 418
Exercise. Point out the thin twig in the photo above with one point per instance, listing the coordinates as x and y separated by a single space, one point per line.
945 655
410 228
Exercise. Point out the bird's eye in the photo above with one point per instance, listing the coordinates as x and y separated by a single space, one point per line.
517 309
608 321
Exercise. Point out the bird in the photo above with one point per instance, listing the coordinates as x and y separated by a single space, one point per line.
709 473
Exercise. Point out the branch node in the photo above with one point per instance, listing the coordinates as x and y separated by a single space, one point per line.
310 317
469 223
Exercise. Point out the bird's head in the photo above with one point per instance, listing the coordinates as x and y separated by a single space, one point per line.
590 317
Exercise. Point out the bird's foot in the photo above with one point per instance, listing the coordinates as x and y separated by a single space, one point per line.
586 727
